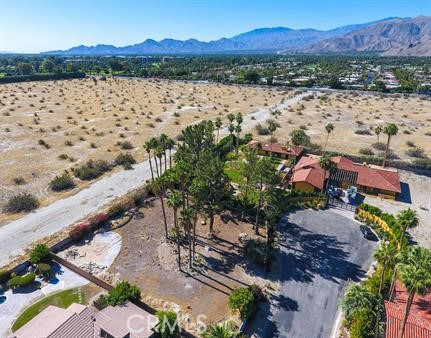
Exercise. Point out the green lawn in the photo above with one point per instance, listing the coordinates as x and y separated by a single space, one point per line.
61 299
233 175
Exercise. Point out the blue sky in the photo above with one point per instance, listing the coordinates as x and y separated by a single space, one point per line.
35 25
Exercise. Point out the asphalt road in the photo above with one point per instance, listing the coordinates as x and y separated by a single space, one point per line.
321 251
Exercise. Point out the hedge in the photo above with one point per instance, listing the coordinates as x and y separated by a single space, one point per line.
4 276
41 77
21 280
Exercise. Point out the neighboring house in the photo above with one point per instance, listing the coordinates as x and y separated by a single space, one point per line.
308 176
276 149
79 321
419 320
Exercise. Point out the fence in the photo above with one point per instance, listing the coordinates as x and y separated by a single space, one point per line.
340 204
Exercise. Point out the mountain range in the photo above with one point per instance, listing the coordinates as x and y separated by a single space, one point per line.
389 36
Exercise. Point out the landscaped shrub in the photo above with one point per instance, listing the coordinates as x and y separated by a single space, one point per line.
168 324
18 281
244 301
80 231
22 202
62 182
44 269
4 276
119 294
92 169
261 130
116 209
40 253
125 159
363 324
417 152
256 251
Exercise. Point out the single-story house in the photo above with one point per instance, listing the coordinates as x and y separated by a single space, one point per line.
80 321
276 149
418 323
308 176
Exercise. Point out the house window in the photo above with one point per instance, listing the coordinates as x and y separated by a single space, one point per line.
105 334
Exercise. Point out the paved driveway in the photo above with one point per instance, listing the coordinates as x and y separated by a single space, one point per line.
320 252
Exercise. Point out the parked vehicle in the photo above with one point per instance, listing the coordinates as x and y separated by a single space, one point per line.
366 231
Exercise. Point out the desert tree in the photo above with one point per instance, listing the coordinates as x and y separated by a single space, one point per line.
218 124
329 128
174 202
391 129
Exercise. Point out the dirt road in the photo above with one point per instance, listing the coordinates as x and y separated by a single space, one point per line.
19 234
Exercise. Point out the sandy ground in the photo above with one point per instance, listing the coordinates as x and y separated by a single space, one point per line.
146 259
16 236
101 250
84 112
417 197
351 112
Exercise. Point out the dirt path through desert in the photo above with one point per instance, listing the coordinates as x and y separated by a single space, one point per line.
18 235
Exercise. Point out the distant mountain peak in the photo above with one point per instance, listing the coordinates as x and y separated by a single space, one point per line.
391 35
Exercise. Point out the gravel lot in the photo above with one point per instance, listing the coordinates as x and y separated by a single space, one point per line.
416 195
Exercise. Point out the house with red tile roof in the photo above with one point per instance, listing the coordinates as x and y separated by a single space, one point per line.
276 149
418 323
308 176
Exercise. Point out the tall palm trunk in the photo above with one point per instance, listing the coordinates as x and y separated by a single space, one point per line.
189 235
392 289
164 155
386 152
160 165
157 167
326 142
178 238
211 222
151 166
218 132
382 277
164 214
195 220
259 205
237 144
406 314
170 158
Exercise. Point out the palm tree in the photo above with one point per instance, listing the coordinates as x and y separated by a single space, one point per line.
148 148
416 278
329 128
272 127
239 120
218 123
170 144
186 221
406 219
326 163
174 202
221 330
159 187
231 126
385 256
390 130
159 151
378 130
357 296
163 141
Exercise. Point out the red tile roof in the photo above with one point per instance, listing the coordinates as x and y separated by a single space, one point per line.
368 176
308 170
419 320
415 326
277 148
